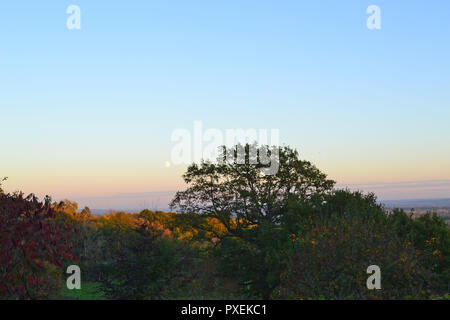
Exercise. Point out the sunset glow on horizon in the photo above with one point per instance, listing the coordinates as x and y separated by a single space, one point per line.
90 112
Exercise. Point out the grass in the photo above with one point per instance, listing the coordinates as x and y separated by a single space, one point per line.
88 291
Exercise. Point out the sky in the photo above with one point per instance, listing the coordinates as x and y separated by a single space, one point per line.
90 112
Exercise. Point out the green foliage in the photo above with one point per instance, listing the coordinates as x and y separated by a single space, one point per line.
229 190
251 206
430 234
144 267
330 261
88 291
256 260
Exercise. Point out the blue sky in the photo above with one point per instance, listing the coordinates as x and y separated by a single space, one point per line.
90 112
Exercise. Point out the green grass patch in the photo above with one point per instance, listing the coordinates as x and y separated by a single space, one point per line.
88 291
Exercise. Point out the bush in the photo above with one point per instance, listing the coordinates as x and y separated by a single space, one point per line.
147 266
34 246
330 261
430 234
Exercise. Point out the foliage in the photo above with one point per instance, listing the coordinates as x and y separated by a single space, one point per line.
34 246
330 261
250 205
144 267
238 234
430 234
230 190
89 291
256 260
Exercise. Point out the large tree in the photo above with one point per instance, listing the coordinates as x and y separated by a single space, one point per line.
250 201
240 193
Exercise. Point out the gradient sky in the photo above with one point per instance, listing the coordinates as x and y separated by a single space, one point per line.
90 112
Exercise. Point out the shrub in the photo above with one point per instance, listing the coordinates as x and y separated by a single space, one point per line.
34 246
430 234
330 261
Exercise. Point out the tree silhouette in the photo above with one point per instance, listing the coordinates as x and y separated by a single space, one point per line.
241 192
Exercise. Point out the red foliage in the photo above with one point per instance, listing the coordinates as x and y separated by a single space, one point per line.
32 238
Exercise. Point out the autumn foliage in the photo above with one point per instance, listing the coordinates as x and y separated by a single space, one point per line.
237 234
34 247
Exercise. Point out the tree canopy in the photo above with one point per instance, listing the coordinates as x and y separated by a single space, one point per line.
242 191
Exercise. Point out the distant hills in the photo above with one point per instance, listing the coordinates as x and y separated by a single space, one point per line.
417 203
159 201
162 204
127 202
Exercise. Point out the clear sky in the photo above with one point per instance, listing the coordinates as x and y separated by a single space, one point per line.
90 112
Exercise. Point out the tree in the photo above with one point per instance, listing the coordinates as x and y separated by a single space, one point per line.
231 191
251 205
430 234
146 266
330 260
34 246
334 241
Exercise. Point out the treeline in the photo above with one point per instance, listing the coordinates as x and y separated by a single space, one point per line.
237 234
318 251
